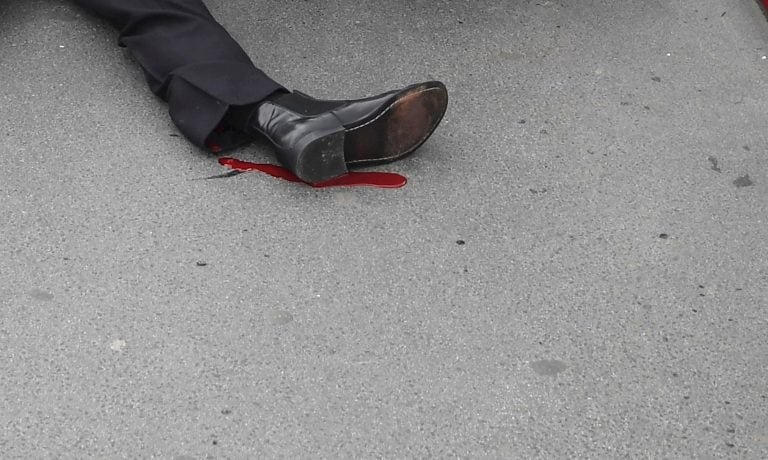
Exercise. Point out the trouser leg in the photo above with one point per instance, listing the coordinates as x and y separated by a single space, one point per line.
189 60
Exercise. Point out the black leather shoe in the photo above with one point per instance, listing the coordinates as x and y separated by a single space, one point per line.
318 139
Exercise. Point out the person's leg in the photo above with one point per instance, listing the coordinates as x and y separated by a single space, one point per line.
189 60
209 83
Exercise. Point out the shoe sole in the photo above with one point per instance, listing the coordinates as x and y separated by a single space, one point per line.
321 153
399 128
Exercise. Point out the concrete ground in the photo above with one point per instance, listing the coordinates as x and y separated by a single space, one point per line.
578 267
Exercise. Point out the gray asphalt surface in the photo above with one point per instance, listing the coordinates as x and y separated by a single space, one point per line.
604 163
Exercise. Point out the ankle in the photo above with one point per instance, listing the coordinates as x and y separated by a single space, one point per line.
240 117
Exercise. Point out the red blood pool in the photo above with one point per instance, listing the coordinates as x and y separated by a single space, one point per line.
352 179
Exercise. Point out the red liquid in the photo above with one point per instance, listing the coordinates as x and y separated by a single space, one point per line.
213 147
353 179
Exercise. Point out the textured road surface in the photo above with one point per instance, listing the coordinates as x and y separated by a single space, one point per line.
577 268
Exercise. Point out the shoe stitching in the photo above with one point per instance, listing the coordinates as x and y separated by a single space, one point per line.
389 107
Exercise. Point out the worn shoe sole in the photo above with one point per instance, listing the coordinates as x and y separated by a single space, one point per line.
399 128
319 155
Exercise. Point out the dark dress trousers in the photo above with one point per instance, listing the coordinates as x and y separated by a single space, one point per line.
190 61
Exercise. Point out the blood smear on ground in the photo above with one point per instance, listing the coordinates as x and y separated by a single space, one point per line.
352 179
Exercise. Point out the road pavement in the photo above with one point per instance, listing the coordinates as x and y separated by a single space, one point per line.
577 268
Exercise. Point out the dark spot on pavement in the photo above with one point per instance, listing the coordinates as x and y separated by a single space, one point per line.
715 166
224 175
548 367
39 294
743 181
746 147
656 79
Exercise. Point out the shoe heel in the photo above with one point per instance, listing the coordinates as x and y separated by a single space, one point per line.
320 152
